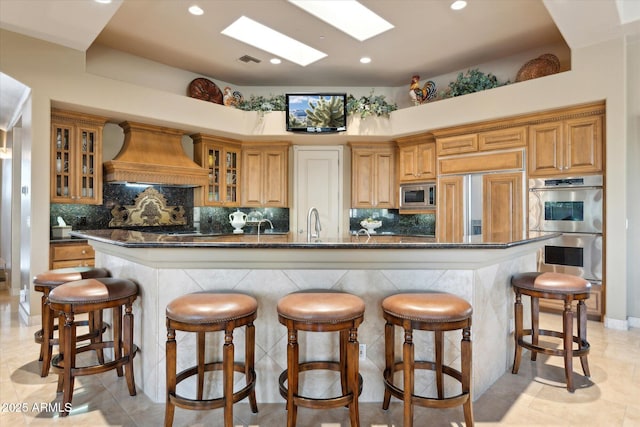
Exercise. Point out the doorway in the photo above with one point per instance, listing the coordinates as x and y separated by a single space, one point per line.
318 182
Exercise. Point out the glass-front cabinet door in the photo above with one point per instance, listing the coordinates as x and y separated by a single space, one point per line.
221 157
76 156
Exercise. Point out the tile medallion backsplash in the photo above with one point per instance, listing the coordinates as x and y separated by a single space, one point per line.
393 222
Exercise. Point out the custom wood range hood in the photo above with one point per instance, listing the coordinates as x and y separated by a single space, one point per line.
153 155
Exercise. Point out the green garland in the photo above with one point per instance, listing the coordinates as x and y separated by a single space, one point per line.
364 106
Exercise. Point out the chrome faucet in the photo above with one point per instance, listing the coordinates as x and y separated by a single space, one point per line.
317 226
264 221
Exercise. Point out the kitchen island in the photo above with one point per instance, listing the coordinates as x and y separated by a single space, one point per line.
272 265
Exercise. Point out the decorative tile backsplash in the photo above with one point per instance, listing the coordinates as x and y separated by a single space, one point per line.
393 222
150 209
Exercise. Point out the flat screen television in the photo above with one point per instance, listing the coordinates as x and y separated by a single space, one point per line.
316 112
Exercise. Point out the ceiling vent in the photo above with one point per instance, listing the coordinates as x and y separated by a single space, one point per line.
248 58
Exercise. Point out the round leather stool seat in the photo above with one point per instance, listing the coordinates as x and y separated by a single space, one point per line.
84 296
427 307
320 307
553 283
93 291
322 311
205 307
45 282
203 312
557 286
437 312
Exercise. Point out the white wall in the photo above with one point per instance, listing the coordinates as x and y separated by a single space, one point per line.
58 74
633 165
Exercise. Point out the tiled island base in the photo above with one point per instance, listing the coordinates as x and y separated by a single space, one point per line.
484 282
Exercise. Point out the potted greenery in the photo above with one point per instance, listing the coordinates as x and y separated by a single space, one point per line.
472 81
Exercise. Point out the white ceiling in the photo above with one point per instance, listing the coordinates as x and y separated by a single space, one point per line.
428 39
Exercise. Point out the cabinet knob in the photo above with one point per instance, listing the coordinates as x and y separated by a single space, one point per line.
84 252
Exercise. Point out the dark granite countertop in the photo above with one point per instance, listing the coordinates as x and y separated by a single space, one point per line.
139 239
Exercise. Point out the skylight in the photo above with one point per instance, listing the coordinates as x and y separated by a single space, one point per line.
348 16
262 37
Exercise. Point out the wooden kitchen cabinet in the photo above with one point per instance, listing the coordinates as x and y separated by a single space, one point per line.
71 254
416 159
450 209
373 177
567 147
502 207
458 144
264 178
76 157
511 137
221 157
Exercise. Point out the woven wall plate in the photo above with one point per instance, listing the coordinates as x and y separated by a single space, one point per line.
205 89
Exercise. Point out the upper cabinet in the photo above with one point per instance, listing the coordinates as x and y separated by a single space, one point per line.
505 136
416 158
566 147
373 177
221 157
76 157
264 178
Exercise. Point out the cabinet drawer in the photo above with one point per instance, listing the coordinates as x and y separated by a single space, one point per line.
71 252
73 263
457 144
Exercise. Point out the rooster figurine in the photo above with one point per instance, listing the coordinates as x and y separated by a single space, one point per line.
427 93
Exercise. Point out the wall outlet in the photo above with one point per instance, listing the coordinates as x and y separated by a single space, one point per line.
512 326
363 351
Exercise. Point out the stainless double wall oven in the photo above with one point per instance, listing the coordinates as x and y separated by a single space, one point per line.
573 206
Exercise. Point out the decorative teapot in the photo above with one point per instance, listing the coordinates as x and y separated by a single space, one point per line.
238 220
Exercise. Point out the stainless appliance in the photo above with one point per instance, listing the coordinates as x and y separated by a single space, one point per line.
418 195
572 206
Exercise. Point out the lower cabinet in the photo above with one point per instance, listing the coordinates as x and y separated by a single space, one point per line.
71 254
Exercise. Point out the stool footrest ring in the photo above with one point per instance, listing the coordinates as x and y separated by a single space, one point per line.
434 402
582 350
218 402
311 402
38 335
57 363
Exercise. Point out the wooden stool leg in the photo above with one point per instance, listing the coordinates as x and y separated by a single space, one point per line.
249 369
69 332
171 375
95 326
344 360
518 333
227 363
292 376
582 335
117 336
200 348
46 347
567 330
408 365
352 371
61 347
535 322
43 308
439 344
466 366
389 356
128 349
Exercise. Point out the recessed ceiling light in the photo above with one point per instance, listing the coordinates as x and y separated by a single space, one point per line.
348 16
196 10
365 60
257 35
103 1
275 61
458 5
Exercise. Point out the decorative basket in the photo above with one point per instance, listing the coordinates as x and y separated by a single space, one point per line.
541 66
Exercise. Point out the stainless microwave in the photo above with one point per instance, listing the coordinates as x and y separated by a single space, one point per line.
418 195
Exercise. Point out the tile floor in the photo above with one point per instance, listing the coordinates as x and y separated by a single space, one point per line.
536 396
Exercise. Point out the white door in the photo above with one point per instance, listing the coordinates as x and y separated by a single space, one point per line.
318 183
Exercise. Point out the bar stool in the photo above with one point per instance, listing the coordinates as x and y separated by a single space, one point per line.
430 311
209 312
85 296
322 311
45 282
557 286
